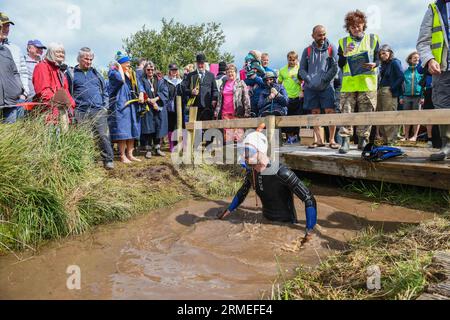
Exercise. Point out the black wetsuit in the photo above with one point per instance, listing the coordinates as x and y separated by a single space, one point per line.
276 194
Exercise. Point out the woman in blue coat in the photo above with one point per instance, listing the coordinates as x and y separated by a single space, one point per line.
124 122
155 120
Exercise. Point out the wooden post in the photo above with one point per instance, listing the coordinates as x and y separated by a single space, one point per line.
180 116
270 133
191 132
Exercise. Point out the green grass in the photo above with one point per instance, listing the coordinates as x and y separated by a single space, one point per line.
214 181
408 196
40 168
403 257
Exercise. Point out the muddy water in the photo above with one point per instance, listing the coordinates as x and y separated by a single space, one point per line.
184 253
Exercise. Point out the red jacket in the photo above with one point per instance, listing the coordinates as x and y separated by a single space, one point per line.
46 81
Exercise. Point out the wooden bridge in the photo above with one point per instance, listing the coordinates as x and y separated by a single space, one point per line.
412 169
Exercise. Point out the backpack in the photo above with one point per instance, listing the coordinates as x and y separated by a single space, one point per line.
373 153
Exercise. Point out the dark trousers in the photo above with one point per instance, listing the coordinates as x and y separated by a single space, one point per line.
295 108
97 119
148 140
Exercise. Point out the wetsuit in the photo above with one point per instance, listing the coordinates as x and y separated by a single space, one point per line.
276 194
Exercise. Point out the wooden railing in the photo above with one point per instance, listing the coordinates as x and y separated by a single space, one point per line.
422 117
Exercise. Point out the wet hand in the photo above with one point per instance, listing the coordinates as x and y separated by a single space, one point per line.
222 215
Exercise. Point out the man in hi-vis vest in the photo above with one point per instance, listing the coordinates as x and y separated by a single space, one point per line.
358 59
433 47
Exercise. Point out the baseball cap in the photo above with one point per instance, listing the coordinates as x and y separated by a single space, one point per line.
4 19
173 66
37 44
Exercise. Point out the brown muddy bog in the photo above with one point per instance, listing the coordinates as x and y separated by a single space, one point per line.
185 253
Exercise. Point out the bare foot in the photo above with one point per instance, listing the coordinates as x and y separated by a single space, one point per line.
125 160
134 159
413 139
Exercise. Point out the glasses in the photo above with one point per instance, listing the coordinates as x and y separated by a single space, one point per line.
150 69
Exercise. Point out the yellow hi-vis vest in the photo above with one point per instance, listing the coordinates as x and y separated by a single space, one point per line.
363 82
437 36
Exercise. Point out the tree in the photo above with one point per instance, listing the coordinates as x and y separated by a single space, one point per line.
178 43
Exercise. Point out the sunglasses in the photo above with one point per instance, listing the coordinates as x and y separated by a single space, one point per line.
150 69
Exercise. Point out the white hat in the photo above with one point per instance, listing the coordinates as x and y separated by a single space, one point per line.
257 140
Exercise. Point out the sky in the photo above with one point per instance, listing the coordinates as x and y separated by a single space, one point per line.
276 27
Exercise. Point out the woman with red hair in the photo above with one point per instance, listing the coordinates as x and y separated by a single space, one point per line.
360 80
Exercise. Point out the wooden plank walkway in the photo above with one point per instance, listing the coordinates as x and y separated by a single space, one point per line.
439 291
412 169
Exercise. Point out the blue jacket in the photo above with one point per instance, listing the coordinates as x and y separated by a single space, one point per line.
88 89
124 121
279 103
412 76
391 75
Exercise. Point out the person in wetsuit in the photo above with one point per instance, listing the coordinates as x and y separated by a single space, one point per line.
276 191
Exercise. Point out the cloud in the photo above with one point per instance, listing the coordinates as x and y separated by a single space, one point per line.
272 26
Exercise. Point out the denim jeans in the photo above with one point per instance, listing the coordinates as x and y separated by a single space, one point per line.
9 115
98 120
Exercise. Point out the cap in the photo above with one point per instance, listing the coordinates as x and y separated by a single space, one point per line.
173 66
257 140
37 44
4 19
270 74
122 58
201 58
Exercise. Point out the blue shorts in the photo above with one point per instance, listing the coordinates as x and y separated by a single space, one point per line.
319 99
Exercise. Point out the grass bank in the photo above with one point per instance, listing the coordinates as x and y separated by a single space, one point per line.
419 198
403 259
51 186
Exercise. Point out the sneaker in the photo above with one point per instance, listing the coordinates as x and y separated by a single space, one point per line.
148 155
430 144
109 165
158 151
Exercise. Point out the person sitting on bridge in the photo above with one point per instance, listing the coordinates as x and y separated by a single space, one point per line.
275 190
273 99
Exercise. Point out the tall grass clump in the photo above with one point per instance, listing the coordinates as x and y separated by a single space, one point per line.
40 167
